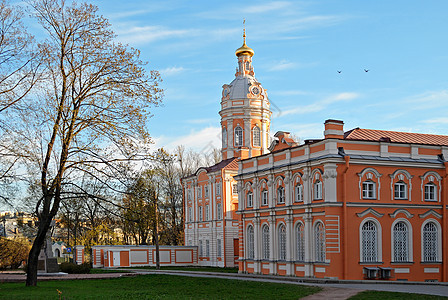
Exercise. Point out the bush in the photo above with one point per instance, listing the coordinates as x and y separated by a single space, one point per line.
71 268
13 252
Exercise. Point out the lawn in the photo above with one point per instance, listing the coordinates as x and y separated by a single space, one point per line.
200 269
375 295
156 287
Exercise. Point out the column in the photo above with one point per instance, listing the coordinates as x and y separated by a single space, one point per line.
309 272
272 246
257 239
289 244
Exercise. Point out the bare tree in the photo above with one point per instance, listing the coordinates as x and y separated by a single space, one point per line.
18 58
89 116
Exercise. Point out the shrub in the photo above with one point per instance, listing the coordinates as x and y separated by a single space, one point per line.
71 268
13 252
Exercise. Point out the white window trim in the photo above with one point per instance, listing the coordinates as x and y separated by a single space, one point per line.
265 191
279 244
237 137
380 239
410 239
249 200
435 180
250 244
280 197
435 187
298 190
296 240
254 130
439 240
375 174
317 190
266 251
401 183
324 242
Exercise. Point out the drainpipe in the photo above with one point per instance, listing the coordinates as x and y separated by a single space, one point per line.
444 223
344 216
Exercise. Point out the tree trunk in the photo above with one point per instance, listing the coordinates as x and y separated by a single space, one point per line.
156 237
33 257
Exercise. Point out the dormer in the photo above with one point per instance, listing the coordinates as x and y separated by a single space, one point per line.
282 140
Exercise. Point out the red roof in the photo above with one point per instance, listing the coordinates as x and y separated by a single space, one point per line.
396 137
228 164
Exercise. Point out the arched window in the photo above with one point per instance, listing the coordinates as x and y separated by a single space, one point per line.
238 136
299 193
319 242
430 192
280 195
400 190
318 190
249 200
265 241
224 137
250 242
369 242
282 242
430 242
401 242
256 136
300 242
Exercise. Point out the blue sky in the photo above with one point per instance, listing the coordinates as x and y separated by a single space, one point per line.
299 46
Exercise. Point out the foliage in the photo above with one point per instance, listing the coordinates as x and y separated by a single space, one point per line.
158 287
72 268
13 252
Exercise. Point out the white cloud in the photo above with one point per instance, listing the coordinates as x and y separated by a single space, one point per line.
437 121
320 105
202 140
171 71
267 7
283 65
429 100
145 34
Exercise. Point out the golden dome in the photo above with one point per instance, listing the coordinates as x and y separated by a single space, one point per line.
244 49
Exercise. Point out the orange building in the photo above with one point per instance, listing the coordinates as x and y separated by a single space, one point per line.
361 204
364 204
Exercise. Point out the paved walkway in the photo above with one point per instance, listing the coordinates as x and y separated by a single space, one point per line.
332 289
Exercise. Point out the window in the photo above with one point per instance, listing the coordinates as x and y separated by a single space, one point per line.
264 197
189 195
282 242
207 248
300 243
190 214
238 136
224 137
369 242
280 195
200 248
200 213
219 211
318 190
256 136
430 192
218 189
319 242
299 193
250 242
249 200
400 190
401 242
234 189
207 213
265 241
199 191
430 242
206 191
219 249
368 190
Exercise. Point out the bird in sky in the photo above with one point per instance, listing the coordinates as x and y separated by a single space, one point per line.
366 70
339 71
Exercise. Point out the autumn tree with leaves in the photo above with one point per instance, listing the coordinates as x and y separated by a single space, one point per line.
87 115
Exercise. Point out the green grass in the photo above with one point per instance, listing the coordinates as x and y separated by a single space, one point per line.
102 271
375 295
200 269
156 287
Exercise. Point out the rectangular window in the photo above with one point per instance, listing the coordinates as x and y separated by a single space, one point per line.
207 213
200 213
200 248
281 195
190 214
206 191
219 211
218 189
199 191
207 248
400 190
250 202
264 197
430 192
368 190
299 193
318 190
189 195
234 189
219 248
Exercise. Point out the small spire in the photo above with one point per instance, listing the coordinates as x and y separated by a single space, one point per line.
244 31
244 50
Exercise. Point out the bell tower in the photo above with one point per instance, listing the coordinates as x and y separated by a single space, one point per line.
245 113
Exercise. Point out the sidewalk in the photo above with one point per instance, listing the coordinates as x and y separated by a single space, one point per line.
16 277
